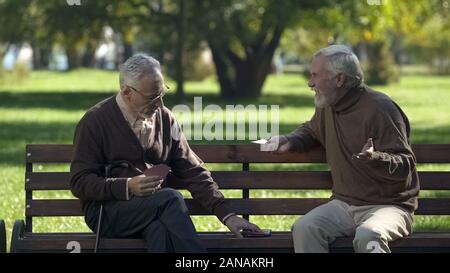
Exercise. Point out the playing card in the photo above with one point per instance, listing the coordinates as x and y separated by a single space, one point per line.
160 170
260 141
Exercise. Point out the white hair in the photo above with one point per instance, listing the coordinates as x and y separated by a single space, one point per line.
341 59
138 66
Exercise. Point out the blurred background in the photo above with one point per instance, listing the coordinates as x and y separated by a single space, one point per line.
238 42
60 57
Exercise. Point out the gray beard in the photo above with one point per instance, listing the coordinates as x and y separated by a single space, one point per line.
322 101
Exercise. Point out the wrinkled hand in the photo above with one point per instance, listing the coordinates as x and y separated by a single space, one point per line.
276 145
144 185
366 152
235 224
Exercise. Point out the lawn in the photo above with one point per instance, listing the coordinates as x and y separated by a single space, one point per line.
46 106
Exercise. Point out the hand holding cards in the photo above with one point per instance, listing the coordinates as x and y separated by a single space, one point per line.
150 183
160 170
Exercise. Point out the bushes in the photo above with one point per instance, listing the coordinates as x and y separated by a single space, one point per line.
379 67
18 73
197 65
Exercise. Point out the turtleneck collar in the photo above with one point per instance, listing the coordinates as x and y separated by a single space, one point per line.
347 98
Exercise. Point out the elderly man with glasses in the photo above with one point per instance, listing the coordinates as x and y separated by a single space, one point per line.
135 129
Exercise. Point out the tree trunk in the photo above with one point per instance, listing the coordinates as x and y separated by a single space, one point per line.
127 50
224 72
41 55
88 58
73 59
240 78
251 75
4 49
181 26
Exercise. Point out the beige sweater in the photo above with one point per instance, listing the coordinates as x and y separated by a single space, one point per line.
390 177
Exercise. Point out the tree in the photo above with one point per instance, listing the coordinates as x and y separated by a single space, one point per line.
15 22
159 27
243 37
430 40
377 33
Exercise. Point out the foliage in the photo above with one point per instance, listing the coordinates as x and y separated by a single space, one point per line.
243 37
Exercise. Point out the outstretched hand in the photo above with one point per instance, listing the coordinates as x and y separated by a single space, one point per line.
366 152
276 145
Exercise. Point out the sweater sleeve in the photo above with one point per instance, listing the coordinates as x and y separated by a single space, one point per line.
305 136
393 158
87 180
187 166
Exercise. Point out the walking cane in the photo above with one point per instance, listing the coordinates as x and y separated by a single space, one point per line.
100 215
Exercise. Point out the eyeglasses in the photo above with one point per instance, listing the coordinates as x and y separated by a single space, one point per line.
150 100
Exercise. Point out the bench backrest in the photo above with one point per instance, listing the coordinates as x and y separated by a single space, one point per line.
244 180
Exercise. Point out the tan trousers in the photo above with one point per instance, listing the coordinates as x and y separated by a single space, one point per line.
373 227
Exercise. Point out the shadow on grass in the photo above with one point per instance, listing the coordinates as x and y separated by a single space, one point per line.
52 100
14 137
432 135
84 100
269 99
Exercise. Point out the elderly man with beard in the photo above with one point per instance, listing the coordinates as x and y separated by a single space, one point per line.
134 128
366 138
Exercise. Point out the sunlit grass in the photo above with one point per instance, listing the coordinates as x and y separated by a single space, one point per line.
46 107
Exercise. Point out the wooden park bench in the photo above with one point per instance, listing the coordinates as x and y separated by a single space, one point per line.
245 180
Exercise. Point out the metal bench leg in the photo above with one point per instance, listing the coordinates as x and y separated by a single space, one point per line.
17 234
2 237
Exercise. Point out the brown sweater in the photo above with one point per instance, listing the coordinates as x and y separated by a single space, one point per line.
103 136
390 177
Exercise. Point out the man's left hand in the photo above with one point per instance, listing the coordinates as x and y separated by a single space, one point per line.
366 152
235 224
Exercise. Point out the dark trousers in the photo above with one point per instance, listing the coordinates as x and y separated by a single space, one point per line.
161 219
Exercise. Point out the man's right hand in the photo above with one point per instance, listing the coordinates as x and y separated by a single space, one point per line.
276 145
144 185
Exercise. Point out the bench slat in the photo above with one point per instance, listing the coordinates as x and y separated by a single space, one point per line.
260 206
217 240
225 179
209 239
255 206
434 153
243 180
48 153
57 153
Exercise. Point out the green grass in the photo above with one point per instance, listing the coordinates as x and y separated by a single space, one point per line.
45 108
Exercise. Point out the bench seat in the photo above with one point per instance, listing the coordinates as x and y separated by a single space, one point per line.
218 242
25 240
